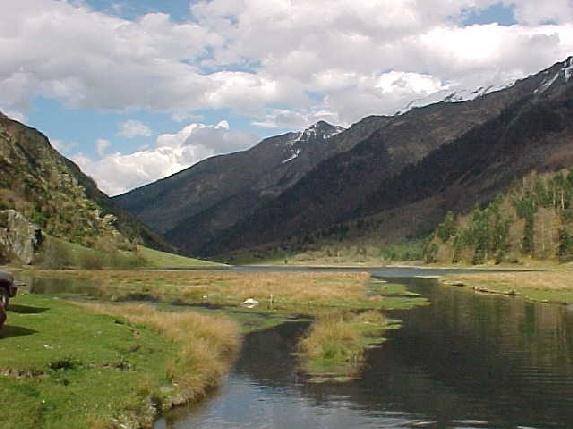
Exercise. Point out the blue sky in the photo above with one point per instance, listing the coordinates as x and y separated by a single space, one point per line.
133 90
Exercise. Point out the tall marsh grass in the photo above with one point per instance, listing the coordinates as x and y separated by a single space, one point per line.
206 346
336 342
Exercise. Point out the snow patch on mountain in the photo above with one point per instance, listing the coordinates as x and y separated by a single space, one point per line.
320 130
546 84
293 155
568 69
452 95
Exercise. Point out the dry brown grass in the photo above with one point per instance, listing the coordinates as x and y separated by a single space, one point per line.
554 280
538 285
230 288
206 346
336 342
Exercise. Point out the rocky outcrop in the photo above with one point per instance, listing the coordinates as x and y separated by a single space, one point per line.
18 237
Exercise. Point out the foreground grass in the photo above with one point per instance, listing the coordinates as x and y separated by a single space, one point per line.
541 286
66 366
334 348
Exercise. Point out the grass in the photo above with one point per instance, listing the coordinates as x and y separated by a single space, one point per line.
293 292
162 260
333 349
60 254
541 286
63 366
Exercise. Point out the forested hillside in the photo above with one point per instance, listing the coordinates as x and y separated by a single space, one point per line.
532 219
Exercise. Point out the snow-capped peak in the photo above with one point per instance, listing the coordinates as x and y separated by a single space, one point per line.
321 131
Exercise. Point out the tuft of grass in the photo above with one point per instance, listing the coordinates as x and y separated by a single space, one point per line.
335 345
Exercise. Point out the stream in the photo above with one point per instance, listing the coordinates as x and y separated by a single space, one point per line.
464 361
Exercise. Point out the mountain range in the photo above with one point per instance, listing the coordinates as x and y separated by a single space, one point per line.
382 180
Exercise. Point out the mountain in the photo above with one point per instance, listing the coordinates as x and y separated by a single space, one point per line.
392 185
50 191
192 207
385 179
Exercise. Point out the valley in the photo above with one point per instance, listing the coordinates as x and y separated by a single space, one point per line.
408 270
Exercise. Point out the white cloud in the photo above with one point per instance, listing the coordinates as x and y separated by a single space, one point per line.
102 146
281 63
535 12
116 173
264 58
133 128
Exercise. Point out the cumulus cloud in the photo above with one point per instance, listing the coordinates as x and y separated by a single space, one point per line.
133 128
116 173
280 63
256 57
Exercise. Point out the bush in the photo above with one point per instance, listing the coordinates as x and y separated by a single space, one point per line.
55 255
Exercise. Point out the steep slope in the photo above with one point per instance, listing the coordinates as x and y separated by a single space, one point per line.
369 183
533 218
194 206
52 192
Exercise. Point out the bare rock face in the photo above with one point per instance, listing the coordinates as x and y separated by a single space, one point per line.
18 236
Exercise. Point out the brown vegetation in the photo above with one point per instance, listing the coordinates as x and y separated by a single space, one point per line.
206 346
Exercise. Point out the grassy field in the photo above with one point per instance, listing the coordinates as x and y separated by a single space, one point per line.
60 254
294 292
62 365
541 286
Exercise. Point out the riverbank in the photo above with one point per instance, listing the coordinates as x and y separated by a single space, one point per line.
66 365
554 286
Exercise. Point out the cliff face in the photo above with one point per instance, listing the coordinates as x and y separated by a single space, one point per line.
19 238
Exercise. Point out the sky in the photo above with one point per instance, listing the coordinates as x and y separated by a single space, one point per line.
136 90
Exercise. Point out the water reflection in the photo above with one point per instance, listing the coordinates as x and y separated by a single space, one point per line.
466 361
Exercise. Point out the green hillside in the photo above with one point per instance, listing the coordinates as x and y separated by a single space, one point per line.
533 219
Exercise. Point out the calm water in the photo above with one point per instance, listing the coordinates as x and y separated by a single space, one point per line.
465 361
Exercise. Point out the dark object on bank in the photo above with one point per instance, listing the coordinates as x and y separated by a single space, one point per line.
3 316
8 289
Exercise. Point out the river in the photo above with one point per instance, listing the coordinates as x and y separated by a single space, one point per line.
464 361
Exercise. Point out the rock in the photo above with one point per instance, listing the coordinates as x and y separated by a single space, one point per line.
250 303
18 236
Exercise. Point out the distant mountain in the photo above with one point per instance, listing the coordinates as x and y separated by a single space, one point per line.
194 206
367 188
51 192
383 180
